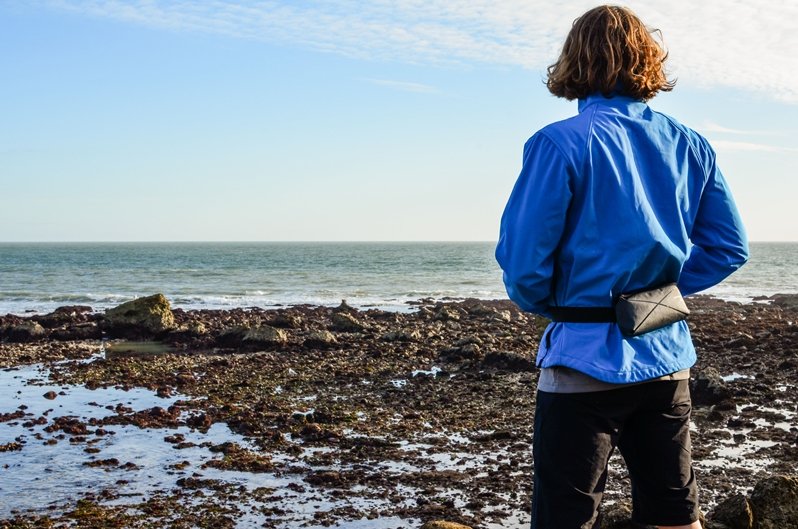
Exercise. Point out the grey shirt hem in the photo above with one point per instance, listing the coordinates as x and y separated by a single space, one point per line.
561 379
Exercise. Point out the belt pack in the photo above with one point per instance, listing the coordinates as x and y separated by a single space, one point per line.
636 313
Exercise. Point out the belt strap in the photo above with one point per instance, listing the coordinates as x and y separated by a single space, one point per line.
583 314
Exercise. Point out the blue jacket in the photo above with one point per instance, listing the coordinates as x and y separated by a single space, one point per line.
616 199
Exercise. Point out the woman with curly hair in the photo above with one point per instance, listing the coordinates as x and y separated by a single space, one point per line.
616 200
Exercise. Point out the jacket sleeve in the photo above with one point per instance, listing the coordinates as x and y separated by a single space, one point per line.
532 225
720 244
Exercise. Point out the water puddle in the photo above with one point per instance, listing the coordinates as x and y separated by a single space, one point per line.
741 450
47 469
734 376
136 349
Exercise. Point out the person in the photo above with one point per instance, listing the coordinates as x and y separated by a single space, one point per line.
617 199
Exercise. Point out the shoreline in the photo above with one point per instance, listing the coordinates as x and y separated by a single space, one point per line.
388 305
391 419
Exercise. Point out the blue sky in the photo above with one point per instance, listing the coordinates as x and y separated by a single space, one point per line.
343 120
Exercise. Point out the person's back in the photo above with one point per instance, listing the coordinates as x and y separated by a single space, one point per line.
635 173
617 199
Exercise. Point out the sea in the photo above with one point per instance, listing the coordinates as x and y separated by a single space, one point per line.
38 277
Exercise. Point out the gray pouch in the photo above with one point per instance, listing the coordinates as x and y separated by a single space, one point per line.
649 310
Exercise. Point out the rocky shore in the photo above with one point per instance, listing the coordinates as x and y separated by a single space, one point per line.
367 418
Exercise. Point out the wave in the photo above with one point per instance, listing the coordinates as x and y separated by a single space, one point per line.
27 304
41 278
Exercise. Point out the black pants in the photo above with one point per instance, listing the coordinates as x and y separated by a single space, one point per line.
575 434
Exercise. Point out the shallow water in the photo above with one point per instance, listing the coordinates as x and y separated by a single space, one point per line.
41 476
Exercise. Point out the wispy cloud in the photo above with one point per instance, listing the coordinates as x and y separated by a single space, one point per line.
726 145
712 127
720 43
404 86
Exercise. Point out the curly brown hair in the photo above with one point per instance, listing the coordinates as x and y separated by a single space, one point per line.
609 50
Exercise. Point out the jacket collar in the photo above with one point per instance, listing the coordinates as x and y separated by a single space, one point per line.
614 100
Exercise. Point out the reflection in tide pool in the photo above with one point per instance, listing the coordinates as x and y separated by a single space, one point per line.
49 473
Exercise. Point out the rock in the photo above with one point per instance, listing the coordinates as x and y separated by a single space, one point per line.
345 322
470 350
64 316
344 307
82 331
193 328
152 314
503 316
27 331
265 334
72 310
473 339
10 447
326 478
286 321
246 335
480 309
498 435
617 516
402 336
320 339
313 432
440 524
741 340
50 395
787 301
708 388
446 313
774 503
239 459
734 513
508 362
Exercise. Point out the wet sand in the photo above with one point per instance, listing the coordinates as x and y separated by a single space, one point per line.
341 417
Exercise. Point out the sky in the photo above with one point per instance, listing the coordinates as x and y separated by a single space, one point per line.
156 120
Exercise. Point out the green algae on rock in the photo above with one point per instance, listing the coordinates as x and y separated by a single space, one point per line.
151 313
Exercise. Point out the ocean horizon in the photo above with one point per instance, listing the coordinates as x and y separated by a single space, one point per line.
37 277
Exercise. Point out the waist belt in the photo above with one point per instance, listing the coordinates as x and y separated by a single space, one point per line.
583 314
635 313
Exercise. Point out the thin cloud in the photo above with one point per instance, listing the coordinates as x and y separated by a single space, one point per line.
404 86
712 127
715 43
725 145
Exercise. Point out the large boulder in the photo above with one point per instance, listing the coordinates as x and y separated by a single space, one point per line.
774 503
734 513
151 314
